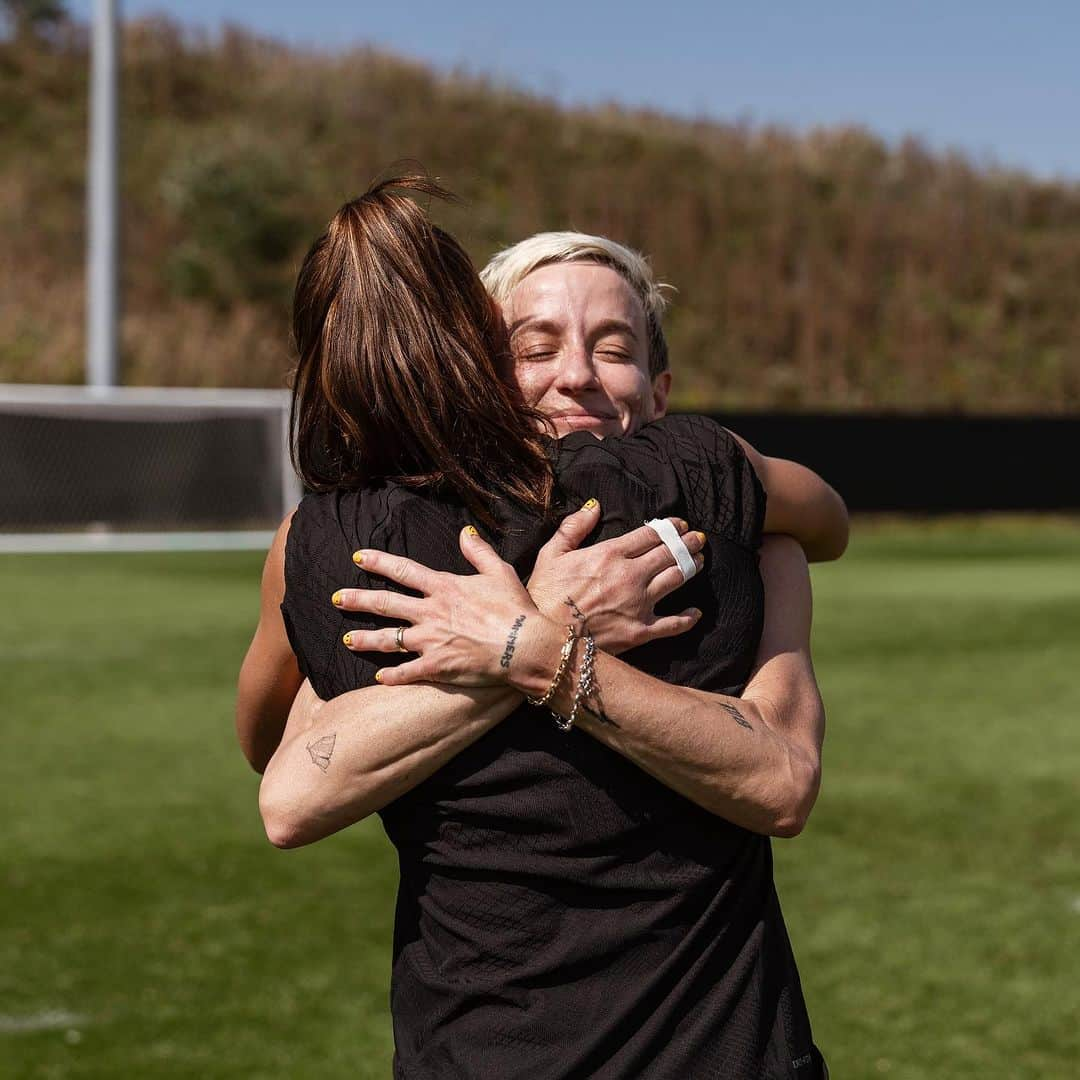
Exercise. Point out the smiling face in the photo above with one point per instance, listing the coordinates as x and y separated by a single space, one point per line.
580 350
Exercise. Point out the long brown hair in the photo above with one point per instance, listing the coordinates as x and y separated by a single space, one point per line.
397 375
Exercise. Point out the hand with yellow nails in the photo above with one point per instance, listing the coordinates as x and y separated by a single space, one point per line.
616 583
464 627
479 629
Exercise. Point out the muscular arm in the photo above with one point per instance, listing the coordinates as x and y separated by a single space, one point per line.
343 759
800 504
382 741
754 760
365 749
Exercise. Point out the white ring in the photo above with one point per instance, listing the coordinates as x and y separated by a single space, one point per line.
674 543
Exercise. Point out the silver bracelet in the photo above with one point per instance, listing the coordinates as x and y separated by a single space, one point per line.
586 682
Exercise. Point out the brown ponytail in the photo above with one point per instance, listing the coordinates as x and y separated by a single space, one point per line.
397 373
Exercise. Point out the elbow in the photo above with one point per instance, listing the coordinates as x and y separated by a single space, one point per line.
832 541
281 835
841 532
800 791
281 832
291 821
284 827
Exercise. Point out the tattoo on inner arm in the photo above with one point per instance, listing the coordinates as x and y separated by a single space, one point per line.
736 716
321 750
511 642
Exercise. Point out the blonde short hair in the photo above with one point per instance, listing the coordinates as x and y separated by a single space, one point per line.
512 265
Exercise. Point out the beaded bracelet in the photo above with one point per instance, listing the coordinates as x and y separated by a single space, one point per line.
560 671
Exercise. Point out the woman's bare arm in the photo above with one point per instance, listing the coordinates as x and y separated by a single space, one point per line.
343 759
754 760
269 676
365 749
800 504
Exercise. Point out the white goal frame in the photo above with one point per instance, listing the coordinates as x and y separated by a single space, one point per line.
144 402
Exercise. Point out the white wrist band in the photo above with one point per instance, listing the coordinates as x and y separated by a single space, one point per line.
674 543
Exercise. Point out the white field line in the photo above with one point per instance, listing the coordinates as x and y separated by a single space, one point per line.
49 1020
82 543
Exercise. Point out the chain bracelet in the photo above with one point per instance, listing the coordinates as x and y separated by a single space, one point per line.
586 683
560 671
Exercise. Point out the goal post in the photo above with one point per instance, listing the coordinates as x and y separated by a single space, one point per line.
142 468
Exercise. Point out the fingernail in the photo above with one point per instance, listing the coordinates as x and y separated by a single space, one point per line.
336 598
702 537
347 638
695 614
358 558
590 504
471 530
378 676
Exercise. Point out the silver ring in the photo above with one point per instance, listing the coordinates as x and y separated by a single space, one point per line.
399 638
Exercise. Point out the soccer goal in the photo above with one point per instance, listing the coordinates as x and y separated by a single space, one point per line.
142 468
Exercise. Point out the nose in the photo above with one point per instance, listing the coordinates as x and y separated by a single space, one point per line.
577 372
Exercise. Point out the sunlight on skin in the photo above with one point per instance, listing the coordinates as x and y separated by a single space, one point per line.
580 347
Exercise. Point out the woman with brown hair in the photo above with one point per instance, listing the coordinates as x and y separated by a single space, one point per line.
518 841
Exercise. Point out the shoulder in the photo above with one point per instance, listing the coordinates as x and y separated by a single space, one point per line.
718 476
690 435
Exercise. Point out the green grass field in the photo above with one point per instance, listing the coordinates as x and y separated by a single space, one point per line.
148 928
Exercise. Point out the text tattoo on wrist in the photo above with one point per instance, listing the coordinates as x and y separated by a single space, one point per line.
321 750
511 642
736 716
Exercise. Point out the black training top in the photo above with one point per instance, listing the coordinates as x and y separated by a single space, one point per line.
561 913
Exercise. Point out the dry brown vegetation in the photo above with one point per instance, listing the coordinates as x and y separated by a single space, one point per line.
826 270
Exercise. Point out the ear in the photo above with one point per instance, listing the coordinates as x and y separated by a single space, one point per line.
661 388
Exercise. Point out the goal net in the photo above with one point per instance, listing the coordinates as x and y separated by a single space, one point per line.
130 468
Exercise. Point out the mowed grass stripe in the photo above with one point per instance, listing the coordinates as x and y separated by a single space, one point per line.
934 900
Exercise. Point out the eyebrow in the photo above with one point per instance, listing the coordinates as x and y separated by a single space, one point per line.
534 322
615 326
548 326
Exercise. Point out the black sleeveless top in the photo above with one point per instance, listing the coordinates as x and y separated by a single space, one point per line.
560 912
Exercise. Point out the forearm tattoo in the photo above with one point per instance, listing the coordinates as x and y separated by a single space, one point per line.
511 642
736 716
321 750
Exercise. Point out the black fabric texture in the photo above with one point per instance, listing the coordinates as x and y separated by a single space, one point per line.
560 912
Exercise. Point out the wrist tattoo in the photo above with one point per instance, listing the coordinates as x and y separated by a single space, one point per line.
736 716
511 642
321 750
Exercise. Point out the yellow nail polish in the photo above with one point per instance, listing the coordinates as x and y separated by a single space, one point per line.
358 558
590 504
378 676
471 530
336 598
347 638
702 537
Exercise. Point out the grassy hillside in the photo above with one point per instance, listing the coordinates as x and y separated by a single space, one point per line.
825 270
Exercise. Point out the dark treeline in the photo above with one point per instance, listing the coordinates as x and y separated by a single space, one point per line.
818 271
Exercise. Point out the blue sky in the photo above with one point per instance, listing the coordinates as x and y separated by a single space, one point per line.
1000 81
